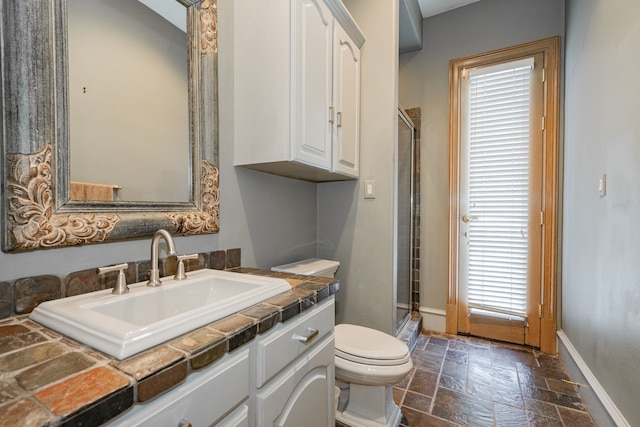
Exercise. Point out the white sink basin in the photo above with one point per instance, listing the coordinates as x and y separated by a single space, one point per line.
123 325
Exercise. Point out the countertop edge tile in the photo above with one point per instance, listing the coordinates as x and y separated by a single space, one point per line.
74 393
104 410
162 381
208 356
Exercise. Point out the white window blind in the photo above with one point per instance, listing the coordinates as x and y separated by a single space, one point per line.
499 135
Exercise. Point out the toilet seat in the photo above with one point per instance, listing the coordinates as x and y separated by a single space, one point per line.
371 362
372 375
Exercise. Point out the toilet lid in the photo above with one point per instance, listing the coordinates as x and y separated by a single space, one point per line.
310 267
369 346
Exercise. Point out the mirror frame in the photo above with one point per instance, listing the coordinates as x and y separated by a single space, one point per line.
37 210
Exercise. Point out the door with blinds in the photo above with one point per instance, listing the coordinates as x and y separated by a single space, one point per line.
500 200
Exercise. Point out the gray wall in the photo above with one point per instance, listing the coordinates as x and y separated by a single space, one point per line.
601 268
357 232
276 220
424 82
271 219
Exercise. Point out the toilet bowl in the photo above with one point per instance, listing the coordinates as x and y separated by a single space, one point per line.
370 362
367 363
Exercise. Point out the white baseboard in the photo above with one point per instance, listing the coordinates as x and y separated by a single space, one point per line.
601 395
434 319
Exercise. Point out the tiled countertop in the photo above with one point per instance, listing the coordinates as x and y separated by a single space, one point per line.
47 379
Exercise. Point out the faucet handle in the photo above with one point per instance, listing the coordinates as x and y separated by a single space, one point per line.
121 282
180 273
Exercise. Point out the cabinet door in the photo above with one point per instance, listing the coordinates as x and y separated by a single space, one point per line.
346 139
261 54
311 83
303 393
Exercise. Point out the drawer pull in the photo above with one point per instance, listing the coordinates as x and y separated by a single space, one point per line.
184 423
308 338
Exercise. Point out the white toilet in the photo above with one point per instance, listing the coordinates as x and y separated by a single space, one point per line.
368 363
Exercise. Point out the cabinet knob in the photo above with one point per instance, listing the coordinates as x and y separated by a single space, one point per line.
184 423
306 339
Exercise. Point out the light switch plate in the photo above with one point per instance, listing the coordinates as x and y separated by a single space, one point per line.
370 189
602 185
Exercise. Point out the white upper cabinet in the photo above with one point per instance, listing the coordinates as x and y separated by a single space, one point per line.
312 58
346 102
297 88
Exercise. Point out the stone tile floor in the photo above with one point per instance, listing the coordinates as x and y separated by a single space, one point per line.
463 381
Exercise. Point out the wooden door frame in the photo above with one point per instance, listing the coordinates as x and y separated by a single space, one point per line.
550 48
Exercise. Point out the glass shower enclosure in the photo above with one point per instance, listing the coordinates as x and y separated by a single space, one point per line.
404 218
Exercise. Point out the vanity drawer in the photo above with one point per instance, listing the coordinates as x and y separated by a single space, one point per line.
281 346
203 399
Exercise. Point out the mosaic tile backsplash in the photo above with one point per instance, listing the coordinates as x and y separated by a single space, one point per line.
23 295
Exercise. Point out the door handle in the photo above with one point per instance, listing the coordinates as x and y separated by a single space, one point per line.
469 218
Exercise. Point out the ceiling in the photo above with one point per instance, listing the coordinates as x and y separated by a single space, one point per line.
411 16
434 7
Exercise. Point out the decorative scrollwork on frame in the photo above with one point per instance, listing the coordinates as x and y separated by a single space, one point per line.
32 223
209 26
208 219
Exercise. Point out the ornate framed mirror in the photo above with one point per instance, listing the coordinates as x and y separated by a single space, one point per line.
38 211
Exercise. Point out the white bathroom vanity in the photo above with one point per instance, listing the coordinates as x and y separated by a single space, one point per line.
284 377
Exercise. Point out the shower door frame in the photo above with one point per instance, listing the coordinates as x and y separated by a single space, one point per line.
400 323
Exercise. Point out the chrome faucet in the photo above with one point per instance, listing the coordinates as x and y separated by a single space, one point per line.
154 272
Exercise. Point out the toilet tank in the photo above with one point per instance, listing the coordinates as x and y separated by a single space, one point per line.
310 267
